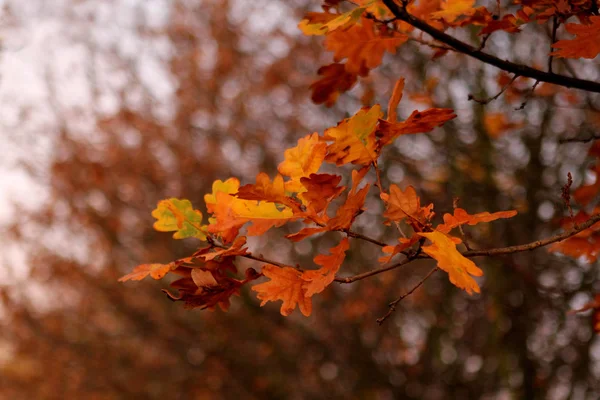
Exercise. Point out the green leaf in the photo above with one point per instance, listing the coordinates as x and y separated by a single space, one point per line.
179 216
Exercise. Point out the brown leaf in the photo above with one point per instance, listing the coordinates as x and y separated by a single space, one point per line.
335 80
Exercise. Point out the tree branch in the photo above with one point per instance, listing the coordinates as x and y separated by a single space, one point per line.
462 47
490 252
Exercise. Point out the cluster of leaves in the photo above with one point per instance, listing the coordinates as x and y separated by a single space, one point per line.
362 35
300 193
359 38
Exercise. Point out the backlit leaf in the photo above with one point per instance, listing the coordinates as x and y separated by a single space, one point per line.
179 216
156 271
459 268
417 122
406 204
461 217
362 45
285 284
301 161
318 280
585 45
353 140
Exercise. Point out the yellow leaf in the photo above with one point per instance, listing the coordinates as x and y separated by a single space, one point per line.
354 138
459 268
230 186
301 161
232 213
453 9
313 25
179 216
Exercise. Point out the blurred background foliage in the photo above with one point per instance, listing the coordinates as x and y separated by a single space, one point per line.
110 106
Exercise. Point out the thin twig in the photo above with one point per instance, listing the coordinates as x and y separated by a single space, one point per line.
490 99
528 96
377 271
580 140
555 24
483 42
392 305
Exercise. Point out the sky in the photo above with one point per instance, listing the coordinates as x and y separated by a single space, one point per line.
45 74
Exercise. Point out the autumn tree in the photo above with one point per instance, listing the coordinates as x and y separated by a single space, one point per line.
454 208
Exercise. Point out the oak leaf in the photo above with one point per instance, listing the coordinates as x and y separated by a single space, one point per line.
462 217
156 271
406 204
417 122
354 138
301 161
179 216
285 284
405 243
585 45
362 45
453 9
265 190
231 213
318 280
322 23
230 186
460 269
392 115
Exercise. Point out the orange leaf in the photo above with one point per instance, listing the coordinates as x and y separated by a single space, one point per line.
406 204
417 122
156 271
347 212
405 243
286 284
362 46
392 116
318 280
461 217
301 161
354 138
459 268
453 9
585 45
266 190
